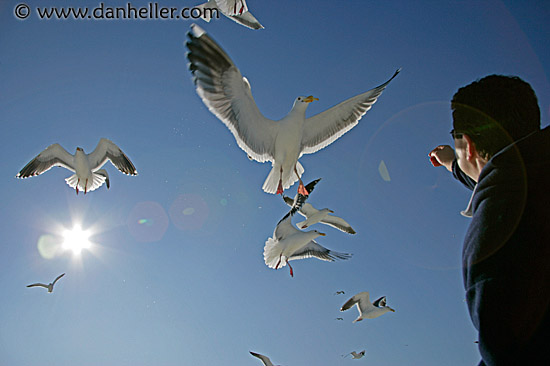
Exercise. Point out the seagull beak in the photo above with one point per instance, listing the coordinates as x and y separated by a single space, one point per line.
322 234
391 309
310 99
330 211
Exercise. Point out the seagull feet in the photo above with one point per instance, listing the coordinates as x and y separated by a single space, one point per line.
279 262
291 271
280 188
77 182
302 190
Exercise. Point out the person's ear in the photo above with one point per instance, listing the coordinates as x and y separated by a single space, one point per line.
471 149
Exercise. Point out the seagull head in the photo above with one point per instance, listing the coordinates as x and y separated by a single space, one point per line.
304 101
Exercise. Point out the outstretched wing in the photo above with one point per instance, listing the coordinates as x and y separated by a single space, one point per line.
326 127
58 277
107 150
265 360
227 94
38 284
360 297
313 249
53 155
338 223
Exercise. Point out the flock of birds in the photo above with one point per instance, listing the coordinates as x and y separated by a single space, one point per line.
227 94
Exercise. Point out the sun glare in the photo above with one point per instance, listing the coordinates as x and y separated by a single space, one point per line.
76 239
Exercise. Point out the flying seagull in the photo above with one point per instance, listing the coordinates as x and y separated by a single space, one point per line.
289 243
48 286
323 216
265 360
355 355
227 94
87 167
367 310
236 10
339 293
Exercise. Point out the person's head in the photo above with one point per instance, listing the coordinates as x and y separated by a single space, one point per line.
490 114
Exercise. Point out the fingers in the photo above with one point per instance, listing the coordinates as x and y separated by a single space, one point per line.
442 155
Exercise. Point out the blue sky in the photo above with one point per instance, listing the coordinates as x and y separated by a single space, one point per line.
176 275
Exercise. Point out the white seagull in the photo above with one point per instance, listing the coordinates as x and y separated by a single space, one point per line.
48 286
323 216
236 10
289 243
355 355
265 360
87 167
227 95
367 310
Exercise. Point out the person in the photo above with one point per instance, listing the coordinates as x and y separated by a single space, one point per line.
503 156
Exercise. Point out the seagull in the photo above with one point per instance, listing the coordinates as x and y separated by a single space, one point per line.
367 310
299 199
323 216
355 355
227 94
88 175
289 243
265 360
236 10
48 286
339 293
339 319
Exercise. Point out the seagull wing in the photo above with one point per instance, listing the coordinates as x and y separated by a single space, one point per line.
338 223
58 277
359 299
227 94
266 361
284 228
313 249
53 155
326 127
38 284
248 20
107 150
232 7
380 302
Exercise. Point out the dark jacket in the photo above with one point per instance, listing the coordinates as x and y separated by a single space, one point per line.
506 254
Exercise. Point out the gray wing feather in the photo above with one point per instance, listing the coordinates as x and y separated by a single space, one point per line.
313 249
326 127
338 223
227 95
107 150
53 155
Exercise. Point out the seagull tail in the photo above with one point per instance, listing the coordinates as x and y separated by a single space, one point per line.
289 178
272 254
97 181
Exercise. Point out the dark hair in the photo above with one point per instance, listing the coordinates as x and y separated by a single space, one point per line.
495 111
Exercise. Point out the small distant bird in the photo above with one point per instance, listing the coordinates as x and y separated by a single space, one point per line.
339 319
236 10
355 355
87 167
48 286
265 360
339 293
367 310
323 216
227 94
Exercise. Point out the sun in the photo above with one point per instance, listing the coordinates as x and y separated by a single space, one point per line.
76 239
